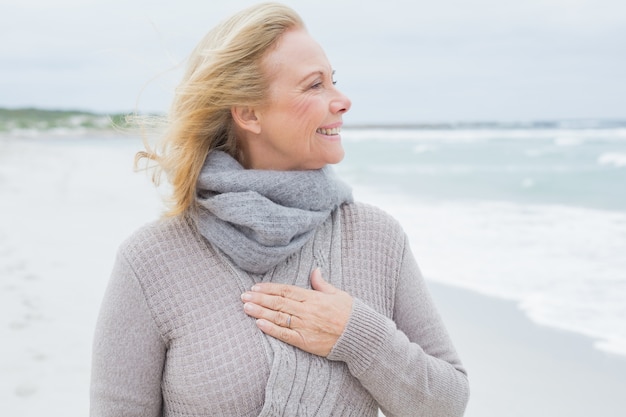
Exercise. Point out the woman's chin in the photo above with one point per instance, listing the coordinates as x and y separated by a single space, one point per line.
335 157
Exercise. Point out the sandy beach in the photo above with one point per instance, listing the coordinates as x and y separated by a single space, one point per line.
518 368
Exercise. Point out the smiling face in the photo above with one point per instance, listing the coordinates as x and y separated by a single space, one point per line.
298 127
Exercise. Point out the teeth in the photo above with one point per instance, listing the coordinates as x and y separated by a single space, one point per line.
329 132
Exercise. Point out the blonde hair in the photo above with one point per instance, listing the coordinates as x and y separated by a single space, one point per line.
223 71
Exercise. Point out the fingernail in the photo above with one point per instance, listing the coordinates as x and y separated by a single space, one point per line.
246 296
256 288
248 307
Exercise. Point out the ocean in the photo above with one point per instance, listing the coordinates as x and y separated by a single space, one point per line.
533 213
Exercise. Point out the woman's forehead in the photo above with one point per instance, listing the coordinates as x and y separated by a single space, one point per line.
295 55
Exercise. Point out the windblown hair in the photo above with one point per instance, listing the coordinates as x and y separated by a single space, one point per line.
223 71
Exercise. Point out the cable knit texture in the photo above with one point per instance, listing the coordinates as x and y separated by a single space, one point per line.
172 338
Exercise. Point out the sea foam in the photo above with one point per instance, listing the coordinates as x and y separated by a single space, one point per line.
533 215
564 266
613 158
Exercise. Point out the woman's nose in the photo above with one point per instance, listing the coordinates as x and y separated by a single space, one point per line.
340 103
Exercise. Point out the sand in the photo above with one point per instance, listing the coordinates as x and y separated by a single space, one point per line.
518 368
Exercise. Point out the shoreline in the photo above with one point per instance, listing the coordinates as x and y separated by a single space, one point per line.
519 368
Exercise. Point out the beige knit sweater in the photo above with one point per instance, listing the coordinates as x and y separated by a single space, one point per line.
172 338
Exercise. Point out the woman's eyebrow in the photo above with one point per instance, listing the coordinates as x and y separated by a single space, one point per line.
315 72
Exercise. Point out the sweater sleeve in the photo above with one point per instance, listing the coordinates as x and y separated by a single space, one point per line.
408 364
128 351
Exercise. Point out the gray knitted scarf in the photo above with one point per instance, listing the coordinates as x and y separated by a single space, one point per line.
260 217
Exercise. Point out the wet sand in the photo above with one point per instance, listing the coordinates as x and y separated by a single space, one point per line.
518 368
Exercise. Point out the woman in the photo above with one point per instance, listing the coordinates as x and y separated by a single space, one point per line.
267 290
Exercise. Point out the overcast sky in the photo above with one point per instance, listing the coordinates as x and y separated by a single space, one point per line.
399 61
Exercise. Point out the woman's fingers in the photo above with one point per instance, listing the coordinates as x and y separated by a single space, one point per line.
273 302
290 292
311 320
277 317
318 283
285 334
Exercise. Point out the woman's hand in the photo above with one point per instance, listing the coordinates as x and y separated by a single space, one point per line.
311 320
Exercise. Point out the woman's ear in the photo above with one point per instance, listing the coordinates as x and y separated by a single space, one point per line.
246 118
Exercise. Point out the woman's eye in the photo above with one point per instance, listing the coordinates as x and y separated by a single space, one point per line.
319 85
